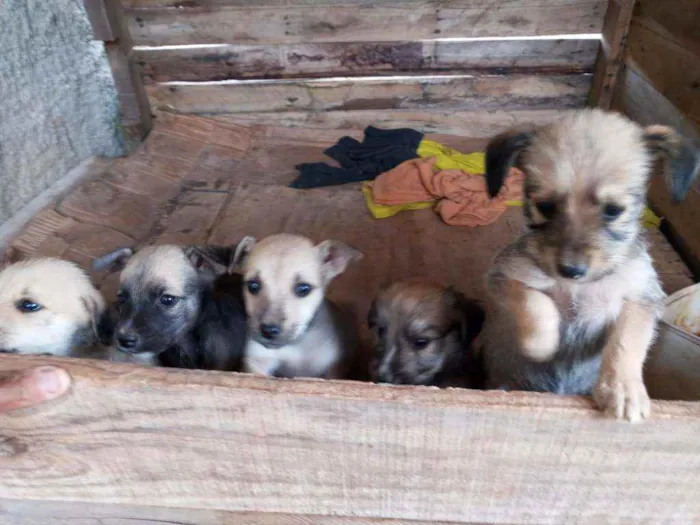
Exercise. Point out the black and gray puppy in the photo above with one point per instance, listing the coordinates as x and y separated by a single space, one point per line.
177 307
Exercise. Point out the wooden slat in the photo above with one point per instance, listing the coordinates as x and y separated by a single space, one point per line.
671 63
640 100
474 124
364 58
18 512
448 92
303 21
222 441
612 51
100 20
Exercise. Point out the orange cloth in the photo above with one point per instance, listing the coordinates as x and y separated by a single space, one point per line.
462 197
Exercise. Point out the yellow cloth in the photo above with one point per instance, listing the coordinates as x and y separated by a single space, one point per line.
380 211
451 159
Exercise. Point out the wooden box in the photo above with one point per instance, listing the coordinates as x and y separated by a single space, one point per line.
133 445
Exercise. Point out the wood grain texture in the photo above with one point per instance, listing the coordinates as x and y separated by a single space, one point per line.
460 92
670 61
19 512
386 21
331 59
216 441
475 124
612 52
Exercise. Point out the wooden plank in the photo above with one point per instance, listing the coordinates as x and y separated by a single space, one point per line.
475 124
642 102
330 59
612 51
221 441
135 113
99 20
680 20
669 63
457 92
302 21
18 512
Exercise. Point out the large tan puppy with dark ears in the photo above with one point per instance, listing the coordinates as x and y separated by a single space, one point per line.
50 306
576 298
293 330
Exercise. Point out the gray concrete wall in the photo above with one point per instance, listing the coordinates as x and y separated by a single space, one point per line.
58 104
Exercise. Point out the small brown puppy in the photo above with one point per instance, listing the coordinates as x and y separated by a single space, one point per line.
423 335
576 299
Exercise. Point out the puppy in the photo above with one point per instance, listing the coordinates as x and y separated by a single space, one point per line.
576 298
176 307
293 330
423 334
49 306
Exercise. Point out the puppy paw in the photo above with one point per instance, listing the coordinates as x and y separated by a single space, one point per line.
538 327
625 398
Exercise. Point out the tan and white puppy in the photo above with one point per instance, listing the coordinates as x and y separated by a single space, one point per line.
49 306
423 336
293 330
576 298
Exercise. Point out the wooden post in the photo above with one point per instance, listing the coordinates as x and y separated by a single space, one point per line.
108 26
612 52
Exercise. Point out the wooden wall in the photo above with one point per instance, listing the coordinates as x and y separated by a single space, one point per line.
144 446
347 57
660 83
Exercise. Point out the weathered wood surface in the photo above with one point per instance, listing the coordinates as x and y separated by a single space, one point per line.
475 124
612 51
668 55
359 20
332 59
109 25
458 92
217 441
19 512
640 100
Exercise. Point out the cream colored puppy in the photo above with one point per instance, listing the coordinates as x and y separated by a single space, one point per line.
49 306
293 330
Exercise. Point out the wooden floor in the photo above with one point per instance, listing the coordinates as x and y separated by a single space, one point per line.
206 180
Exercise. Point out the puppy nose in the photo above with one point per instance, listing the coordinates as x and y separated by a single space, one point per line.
572 271
269 331
127 340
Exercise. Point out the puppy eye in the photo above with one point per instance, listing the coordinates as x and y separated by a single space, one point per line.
612 211
546 208
122 297
381 331
254 286
168 300
302 289
420 344
27 306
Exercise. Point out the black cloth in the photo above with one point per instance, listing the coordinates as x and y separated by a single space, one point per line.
380 151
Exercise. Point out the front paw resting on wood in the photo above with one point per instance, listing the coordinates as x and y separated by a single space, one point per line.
623 396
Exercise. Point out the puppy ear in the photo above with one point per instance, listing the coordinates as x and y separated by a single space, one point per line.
114 261
502 154
335 258
240 254
100 316
10 256
210 261
679 161
372 315
470 313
